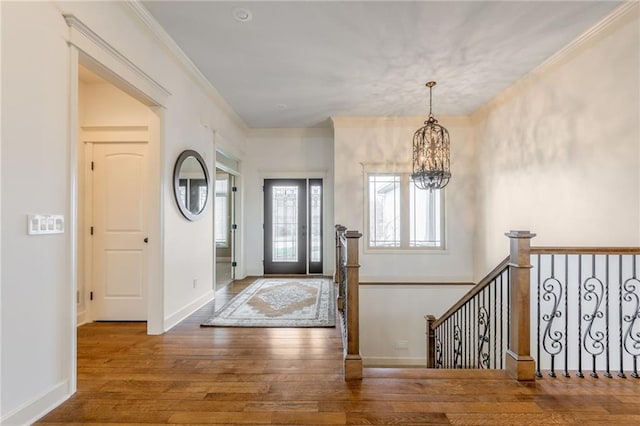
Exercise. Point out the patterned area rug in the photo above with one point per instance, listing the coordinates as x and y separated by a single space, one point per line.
286 302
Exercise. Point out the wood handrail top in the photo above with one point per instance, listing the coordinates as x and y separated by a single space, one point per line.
585 250
475 290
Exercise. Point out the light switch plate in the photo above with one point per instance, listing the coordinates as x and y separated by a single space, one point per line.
42 224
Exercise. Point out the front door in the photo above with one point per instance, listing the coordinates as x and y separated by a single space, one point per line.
119 266
285 225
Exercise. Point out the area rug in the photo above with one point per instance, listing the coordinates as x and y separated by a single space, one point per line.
282 302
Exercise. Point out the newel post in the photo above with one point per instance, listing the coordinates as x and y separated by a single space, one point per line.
519 363
353 360
431 341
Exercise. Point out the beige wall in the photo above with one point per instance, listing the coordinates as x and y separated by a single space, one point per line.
362 141
559 152
393 314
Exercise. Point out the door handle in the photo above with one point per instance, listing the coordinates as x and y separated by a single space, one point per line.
146 239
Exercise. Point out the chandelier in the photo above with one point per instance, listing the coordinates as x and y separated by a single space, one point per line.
431 153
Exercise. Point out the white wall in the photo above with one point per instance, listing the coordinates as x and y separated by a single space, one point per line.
393 313
559 151
38 302
36 289
279 154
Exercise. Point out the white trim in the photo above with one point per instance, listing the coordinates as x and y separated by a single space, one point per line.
145 18
413 122
617 16
72 235
31 411
82 318
175 318
418 279
91 135
280 133
291 175
403 170
95 53
383 361
121 71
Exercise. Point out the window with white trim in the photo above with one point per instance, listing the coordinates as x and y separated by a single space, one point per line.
401 216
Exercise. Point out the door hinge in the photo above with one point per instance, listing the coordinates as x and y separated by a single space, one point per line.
234 188
91 230
90 295
234 264
92 165
234 226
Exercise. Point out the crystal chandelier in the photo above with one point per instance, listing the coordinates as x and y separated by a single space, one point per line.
431 153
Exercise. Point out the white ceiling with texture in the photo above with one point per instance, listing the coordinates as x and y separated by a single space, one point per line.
295 64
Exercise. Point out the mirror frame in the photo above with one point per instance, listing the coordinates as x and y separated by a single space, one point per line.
176 183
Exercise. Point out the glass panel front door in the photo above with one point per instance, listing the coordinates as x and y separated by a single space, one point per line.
285 224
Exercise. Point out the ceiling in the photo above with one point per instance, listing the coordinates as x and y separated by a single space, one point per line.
297 63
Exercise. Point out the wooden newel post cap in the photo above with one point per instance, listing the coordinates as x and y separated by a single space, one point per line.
353 234
519 234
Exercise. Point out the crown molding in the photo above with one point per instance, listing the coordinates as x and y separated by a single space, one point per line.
150 23
417 121
308 132
617 17
119 66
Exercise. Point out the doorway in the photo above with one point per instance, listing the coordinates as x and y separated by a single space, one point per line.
224 227
116 209
293 226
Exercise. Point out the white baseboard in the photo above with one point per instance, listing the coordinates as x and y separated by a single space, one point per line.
175 318
223 259
374 361
31 411
82 318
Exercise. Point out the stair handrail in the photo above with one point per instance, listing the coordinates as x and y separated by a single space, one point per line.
483 283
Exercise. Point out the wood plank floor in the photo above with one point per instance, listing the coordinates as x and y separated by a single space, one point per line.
194 375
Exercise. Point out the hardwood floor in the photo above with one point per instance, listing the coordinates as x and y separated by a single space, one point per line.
194 375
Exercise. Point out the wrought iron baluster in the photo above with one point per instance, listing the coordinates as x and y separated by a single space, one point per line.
620 284
493 328
607 372
483 328
457 338
501 322
592 341
539 272
439 348
552 339
632 334
468 333
579 373
566 316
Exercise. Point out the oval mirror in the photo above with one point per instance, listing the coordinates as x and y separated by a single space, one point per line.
191 184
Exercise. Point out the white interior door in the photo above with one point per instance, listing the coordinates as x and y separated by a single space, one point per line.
119 269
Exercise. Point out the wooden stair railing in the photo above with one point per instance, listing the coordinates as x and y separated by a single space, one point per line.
490 326
578 306
348 279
